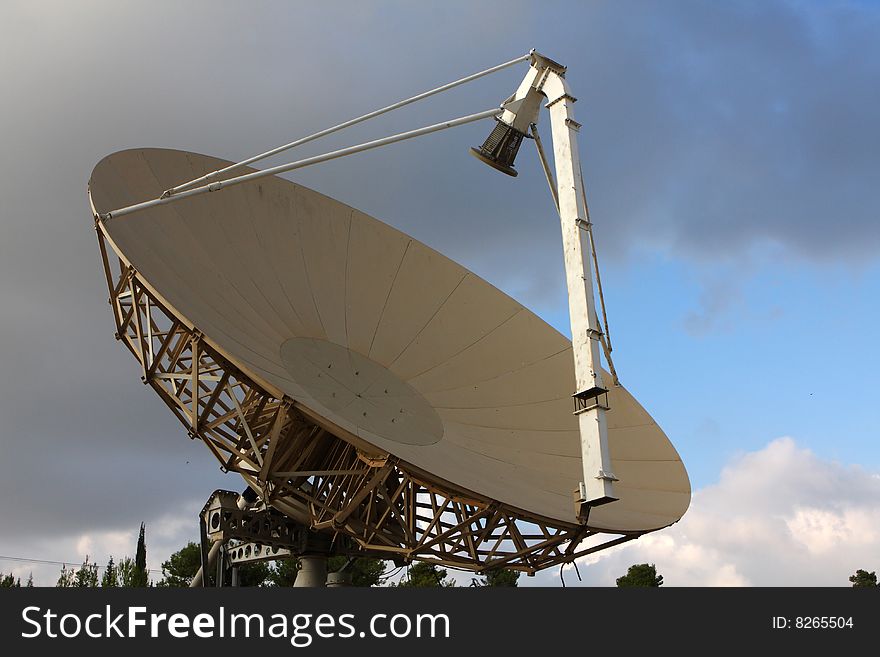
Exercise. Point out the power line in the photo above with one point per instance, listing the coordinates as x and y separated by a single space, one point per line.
62 563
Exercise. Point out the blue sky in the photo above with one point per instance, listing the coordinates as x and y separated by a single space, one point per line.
787 352
730 152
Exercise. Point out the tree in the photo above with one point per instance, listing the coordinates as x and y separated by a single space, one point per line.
364 572
30 582
111 575
182 566
641 574
256 573
127 573
500 577
863 579
425 574
284 572
140 577
65 579
86 576
10 582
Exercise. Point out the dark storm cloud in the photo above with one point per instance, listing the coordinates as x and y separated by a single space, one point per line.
709 129
717 127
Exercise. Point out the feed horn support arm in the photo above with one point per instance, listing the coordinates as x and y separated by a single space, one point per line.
545 81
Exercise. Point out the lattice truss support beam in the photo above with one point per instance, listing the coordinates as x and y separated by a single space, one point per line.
317 478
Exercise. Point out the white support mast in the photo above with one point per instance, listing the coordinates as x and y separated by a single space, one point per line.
591 400
545 81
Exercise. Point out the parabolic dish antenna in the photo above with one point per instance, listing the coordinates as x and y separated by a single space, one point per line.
361 381
365 385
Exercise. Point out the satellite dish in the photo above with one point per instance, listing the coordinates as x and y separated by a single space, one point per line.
329 350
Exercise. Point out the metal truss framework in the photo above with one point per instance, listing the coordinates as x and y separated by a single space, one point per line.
311 474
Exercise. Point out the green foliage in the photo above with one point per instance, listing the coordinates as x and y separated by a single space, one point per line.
111 575
30 582
10 582
127 575
641 574
182 566
65 579
257 573
86 576
864 579
364 572
141 578
284 572
424 575
500 577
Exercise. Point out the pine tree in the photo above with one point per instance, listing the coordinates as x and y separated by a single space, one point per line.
9 582
141 577
111 575
364 572
181 566
425 575
284 572
255 573
641 574
126 573
863 579
501 577
87 575
65 579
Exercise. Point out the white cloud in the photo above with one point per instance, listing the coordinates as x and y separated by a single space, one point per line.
780 516
822 531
